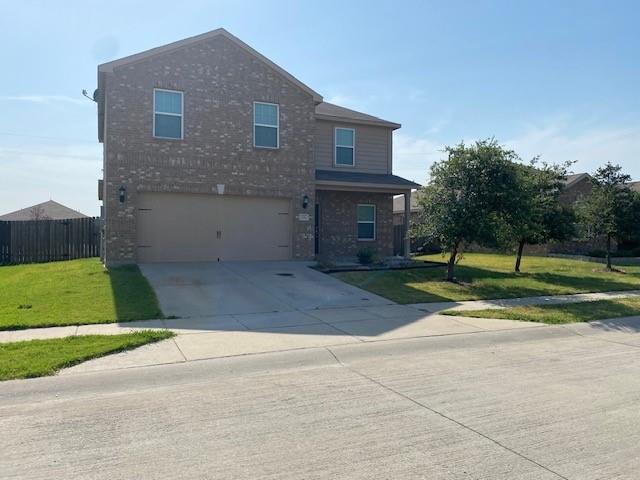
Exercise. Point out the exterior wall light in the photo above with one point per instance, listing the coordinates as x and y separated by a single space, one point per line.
305 201
122 194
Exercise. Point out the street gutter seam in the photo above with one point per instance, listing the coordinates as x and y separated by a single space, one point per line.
426 407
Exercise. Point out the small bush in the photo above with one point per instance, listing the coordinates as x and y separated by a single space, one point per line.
598 253
366 256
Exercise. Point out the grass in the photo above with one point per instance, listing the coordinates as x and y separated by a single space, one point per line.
486 276
37 358
558 314
75 292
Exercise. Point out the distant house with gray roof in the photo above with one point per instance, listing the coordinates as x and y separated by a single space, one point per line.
49 210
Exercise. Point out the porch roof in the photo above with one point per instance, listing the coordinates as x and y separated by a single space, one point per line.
345 180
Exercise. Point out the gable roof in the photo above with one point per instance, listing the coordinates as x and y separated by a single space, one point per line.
329 111
49 210
575 178
219 32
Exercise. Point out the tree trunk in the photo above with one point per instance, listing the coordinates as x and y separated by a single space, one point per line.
452 262
608 251
519 256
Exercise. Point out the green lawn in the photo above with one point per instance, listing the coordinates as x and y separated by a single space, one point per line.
37 358
556 314
485 276
73 293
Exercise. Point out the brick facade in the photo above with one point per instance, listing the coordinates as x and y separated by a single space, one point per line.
220 82
339 228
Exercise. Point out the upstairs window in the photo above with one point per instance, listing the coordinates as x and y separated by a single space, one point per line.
345 147
366 222
167 114
266 125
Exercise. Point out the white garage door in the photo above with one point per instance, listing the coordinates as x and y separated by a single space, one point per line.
177 227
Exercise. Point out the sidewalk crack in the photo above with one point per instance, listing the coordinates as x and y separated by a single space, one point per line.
179 349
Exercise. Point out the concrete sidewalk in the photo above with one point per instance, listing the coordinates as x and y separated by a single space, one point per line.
218 336
516 302
394 316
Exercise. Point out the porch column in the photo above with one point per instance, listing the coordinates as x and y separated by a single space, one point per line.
407 215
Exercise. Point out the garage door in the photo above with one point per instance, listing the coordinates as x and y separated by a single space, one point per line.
177 227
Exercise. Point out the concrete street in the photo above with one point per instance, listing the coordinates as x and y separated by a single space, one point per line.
529 403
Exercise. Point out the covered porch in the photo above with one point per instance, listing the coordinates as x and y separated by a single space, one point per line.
354 211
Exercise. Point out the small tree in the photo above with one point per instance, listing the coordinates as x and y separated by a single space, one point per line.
535 214
609 210
466 193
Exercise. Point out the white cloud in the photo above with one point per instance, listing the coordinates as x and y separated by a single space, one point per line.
45 99
557 141
412 156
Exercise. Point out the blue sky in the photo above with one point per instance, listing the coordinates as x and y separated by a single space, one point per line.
560 79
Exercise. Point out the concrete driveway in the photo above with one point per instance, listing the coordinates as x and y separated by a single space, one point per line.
205 289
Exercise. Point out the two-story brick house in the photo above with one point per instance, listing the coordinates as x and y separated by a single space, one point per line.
213 152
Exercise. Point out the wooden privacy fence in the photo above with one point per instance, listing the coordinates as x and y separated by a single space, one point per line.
49 240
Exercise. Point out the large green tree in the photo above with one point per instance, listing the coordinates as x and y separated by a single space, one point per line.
610 210
466 195
535 214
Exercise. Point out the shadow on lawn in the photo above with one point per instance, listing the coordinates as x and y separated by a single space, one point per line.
482 283
133 297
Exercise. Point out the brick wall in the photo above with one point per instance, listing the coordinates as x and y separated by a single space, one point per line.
339 228
220 82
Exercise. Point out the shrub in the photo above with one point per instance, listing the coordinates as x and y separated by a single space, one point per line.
366 256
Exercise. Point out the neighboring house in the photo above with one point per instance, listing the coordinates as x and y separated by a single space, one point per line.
43 211
398 208
577 187
213 152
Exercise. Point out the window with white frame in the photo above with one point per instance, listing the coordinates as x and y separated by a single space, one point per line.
366 222
266 125
345 146
167 114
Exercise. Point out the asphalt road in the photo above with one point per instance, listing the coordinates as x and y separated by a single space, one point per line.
519 404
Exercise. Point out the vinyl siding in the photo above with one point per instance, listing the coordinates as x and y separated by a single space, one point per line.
372 147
